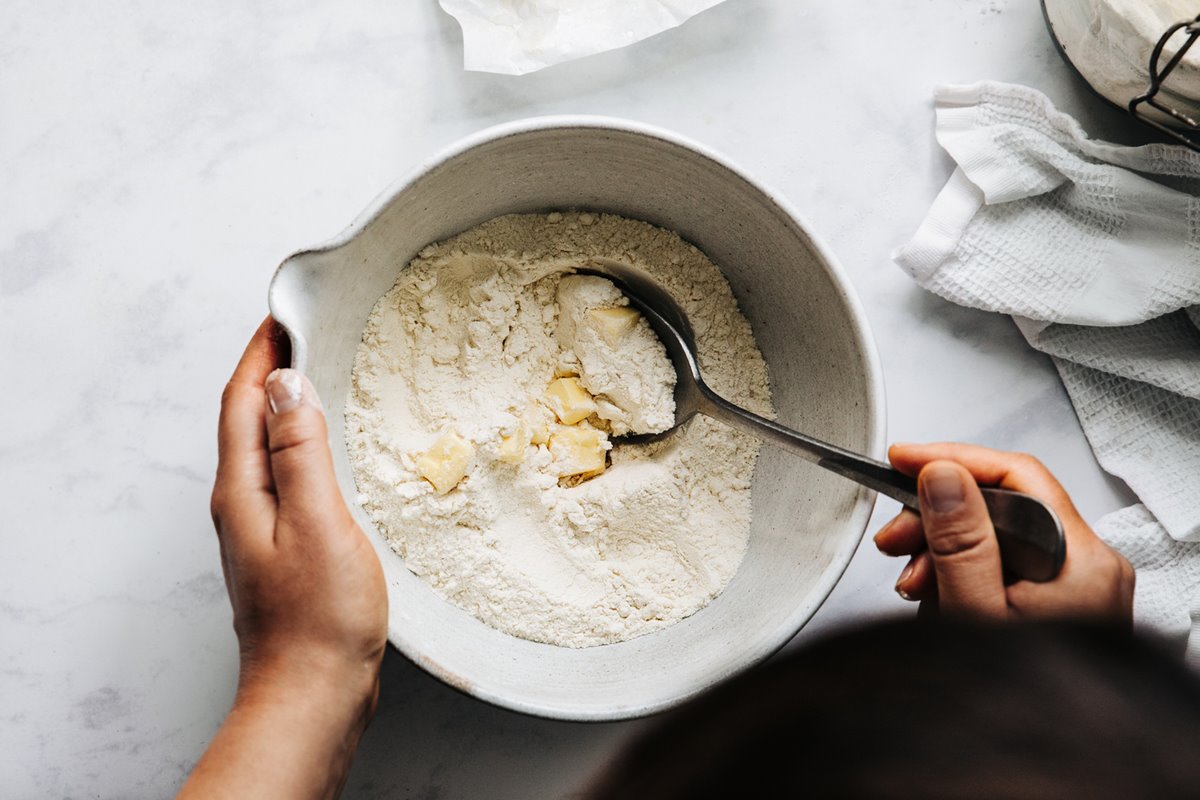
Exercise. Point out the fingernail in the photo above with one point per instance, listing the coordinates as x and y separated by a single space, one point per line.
942 488
905 574
285 390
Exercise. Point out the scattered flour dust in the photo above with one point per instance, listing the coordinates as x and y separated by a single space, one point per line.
465 345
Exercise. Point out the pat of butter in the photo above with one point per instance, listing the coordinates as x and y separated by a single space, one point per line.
538 418
578 450
446 463
569 401
511 449
613 324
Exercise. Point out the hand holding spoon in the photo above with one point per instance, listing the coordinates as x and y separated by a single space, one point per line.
1032 546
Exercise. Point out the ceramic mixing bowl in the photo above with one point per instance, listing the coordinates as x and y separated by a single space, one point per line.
824 371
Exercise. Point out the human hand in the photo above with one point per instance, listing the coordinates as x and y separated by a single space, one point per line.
308 593
955 557
306 587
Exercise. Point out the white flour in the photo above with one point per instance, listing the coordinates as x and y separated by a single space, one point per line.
467 341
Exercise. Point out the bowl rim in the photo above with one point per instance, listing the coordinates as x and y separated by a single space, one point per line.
876 394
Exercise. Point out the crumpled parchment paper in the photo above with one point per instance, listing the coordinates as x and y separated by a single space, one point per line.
514 37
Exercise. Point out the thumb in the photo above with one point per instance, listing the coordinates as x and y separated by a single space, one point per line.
962 542
301 464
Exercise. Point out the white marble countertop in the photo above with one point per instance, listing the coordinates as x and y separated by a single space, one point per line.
159 160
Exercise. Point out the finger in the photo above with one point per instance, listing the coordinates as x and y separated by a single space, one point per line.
301 462
241 431
917 581
903 536
961 541
243 488
1018 471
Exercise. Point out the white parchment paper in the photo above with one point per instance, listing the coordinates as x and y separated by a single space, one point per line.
514 37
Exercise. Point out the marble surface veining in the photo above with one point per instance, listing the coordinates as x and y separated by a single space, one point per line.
157 160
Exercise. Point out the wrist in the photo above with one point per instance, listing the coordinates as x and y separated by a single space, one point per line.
294 726
312 683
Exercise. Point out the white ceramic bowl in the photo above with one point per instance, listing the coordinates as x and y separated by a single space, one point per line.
824 374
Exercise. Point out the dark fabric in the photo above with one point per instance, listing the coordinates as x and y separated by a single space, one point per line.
923 709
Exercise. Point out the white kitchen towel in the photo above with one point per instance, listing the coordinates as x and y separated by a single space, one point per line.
1167 598
1094 249
514 37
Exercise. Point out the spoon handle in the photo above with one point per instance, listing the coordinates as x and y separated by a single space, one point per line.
1032 546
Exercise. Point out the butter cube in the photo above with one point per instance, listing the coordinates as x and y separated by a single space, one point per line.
613 324
569 401
538 418
511 449
578 450
446 462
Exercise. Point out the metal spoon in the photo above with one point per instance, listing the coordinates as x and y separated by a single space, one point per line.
1032 546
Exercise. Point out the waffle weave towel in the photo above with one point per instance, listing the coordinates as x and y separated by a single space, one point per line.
1094 249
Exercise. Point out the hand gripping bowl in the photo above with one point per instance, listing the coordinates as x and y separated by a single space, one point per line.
824 372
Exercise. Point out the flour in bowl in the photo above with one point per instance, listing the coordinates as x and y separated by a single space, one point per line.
485 395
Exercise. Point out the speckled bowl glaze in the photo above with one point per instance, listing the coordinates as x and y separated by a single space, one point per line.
824 372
